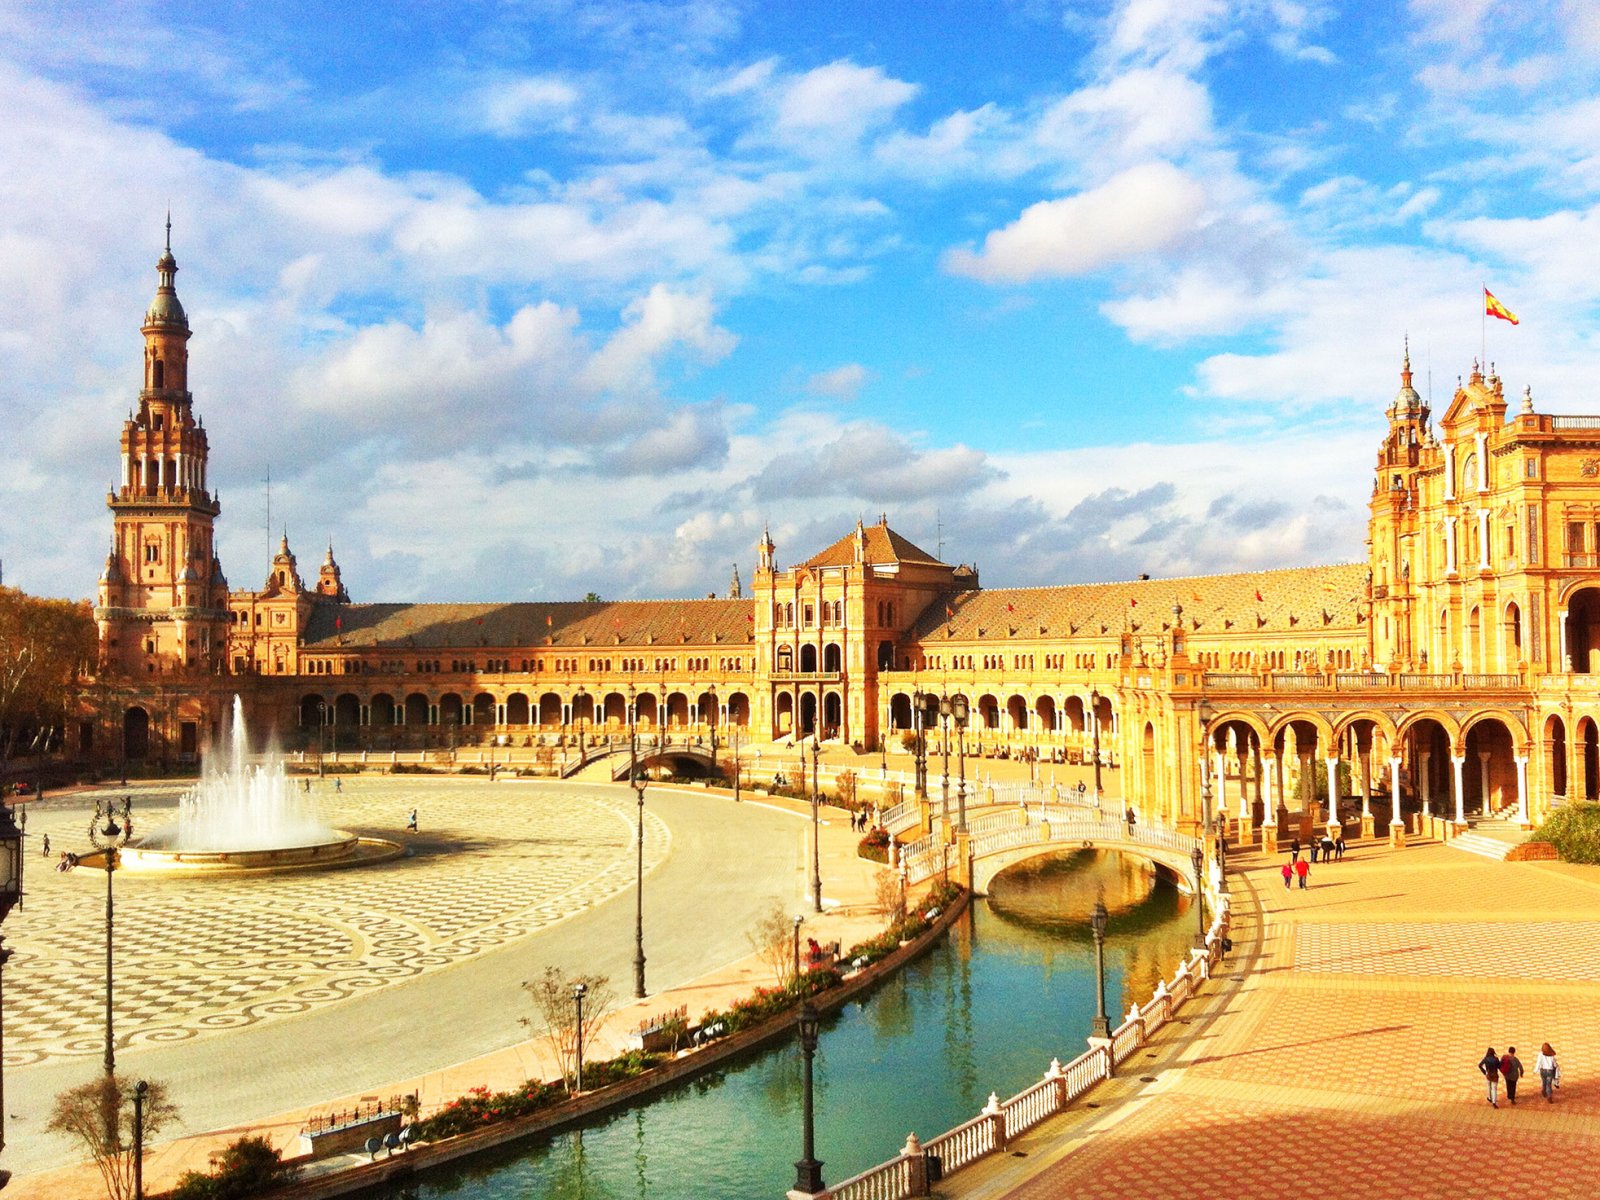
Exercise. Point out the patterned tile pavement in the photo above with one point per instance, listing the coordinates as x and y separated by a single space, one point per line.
1338 1054
195 956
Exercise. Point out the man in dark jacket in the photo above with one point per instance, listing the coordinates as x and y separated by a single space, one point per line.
1511 1071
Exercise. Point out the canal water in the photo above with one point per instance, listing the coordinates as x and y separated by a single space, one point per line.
1009 988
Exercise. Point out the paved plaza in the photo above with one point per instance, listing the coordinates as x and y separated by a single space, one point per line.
1336 1054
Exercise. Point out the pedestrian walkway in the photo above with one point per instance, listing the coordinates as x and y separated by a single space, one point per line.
1337 1054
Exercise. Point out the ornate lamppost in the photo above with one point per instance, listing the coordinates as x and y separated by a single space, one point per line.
10 897
799 920
322 734
808 1170
919 746
1098 919
712 692
816 832
109 837
140 1090
579 991
944 747
1197 856
960 711
735 726
1094 724
583 747
636 778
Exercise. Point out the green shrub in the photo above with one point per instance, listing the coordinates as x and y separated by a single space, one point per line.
247 1167
875 846
1574 830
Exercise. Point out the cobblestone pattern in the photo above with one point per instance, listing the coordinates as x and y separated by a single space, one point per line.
1474 950
493 864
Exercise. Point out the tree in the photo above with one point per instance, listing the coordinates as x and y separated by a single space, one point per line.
45 646
888 893
555 1015
249 1166
591 597
100 1115
844 784
772 938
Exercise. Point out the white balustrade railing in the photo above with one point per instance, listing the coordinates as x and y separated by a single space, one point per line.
887 1181
964 1144
1083 1072
1032 1105
1125 1039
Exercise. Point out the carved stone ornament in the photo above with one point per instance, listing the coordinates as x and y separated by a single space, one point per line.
1590 467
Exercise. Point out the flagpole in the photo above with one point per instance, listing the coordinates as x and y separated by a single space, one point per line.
1483 326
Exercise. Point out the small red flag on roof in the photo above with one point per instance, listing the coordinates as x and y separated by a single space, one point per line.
1132 603
1009 608
338 622
1259 596
948 611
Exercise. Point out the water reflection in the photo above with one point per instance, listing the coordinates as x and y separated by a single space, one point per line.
985 1010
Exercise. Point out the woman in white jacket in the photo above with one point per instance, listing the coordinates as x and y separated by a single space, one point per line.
1549 1071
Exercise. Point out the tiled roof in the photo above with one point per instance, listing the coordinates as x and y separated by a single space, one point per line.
604 623
1313 599
884 547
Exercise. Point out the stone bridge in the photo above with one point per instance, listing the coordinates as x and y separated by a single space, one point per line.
998 840
612 762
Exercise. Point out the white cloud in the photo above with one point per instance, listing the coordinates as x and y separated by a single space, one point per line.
842 383
839 101
1134 213
653 324
511 107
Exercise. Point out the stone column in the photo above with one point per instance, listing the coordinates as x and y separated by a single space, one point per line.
1219 789
1397 827
1458 764
1483 782
1522 788
1332 762
1269 814
1562 664
1426 758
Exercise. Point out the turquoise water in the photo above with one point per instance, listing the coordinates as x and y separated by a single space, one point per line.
985 1010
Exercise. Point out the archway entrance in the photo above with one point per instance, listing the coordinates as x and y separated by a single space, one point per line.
136 734
1583 631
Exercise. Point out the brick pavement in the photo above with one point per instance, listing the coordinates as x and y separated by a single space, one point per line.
1336 1056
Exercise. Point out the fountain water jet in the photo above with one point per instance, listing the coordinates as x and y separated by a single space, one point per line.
249 818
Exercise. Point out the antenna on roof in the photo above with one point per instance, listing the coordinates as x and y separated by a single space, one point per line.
268 482
938 516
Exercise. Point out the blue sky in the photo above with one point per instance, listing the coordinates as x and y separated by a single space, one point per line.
531 299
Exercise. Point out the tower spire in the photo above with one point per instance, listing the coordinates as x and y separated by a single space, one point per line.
169 229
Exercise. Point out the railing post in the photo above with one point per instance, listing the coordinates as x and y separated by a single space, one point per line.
997 1120
1055 1076
916 1167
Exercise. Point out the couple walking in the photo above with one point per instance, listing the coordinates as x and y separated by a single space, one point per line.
1296 868
1508 1067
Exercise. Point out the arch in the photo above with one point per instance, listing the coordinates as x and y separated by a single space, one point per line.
380 710
312 708
785 660
1513 724
1017 710
705 709
517 709
417 709
484 709
135 734
1583 631
1443 720
614 710
988 710
1555 745
1044 708
832 714
1589 741
832 658
450 709
1490 777
1472 653
582 707
808 660
783 713
549 709
1378 720
647 709
1511 629
1428 738
347 710
1249 720
1075 714
739 709
899 711
677 709
808 714
886 655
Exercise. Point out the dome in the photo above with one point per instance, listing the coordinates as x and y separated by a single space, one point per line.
166 310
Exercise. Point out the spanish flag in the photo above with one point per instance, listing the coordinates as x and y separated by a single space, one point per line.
1493 308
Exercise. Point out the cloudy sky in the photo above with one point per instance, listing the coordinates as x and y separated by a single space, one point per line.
528 299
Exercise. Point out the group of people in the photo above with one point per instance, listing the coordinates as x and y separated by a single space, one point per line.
1298 868
859 820
1507 1067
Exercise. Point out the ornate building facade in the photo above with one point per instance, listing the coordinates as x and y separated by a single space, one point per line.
1458 667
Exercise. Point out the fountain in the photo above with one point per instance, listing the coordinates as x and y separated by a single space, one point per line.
241 817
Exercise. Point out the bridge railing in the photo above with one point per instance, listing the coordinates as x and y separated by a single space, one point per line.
918 1165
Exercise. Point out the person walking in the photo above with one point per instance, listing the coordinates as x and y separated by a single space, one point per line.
1302 869
1288 875
1549 1072
1294 849
1489 1065
411 824
1327 849
1511 1071
47 845
1315 846
1338 848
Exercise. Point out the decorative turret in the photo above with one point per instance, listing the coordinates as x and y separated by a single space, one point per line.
765 549
735 587
328 581
285 573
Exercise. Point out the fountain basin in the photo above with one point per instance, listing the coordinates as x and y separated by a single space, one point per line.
343 849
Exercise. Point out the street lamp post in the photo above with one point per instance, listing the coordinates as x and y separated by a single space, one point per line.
808 1171
583 747
919 747
109 837
1197 856
1094 724
10 896
579 991
636 778
712 692
140 1089
944 748
799 920
960 711
816 836
322 734
736 762
1098 919
816 768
